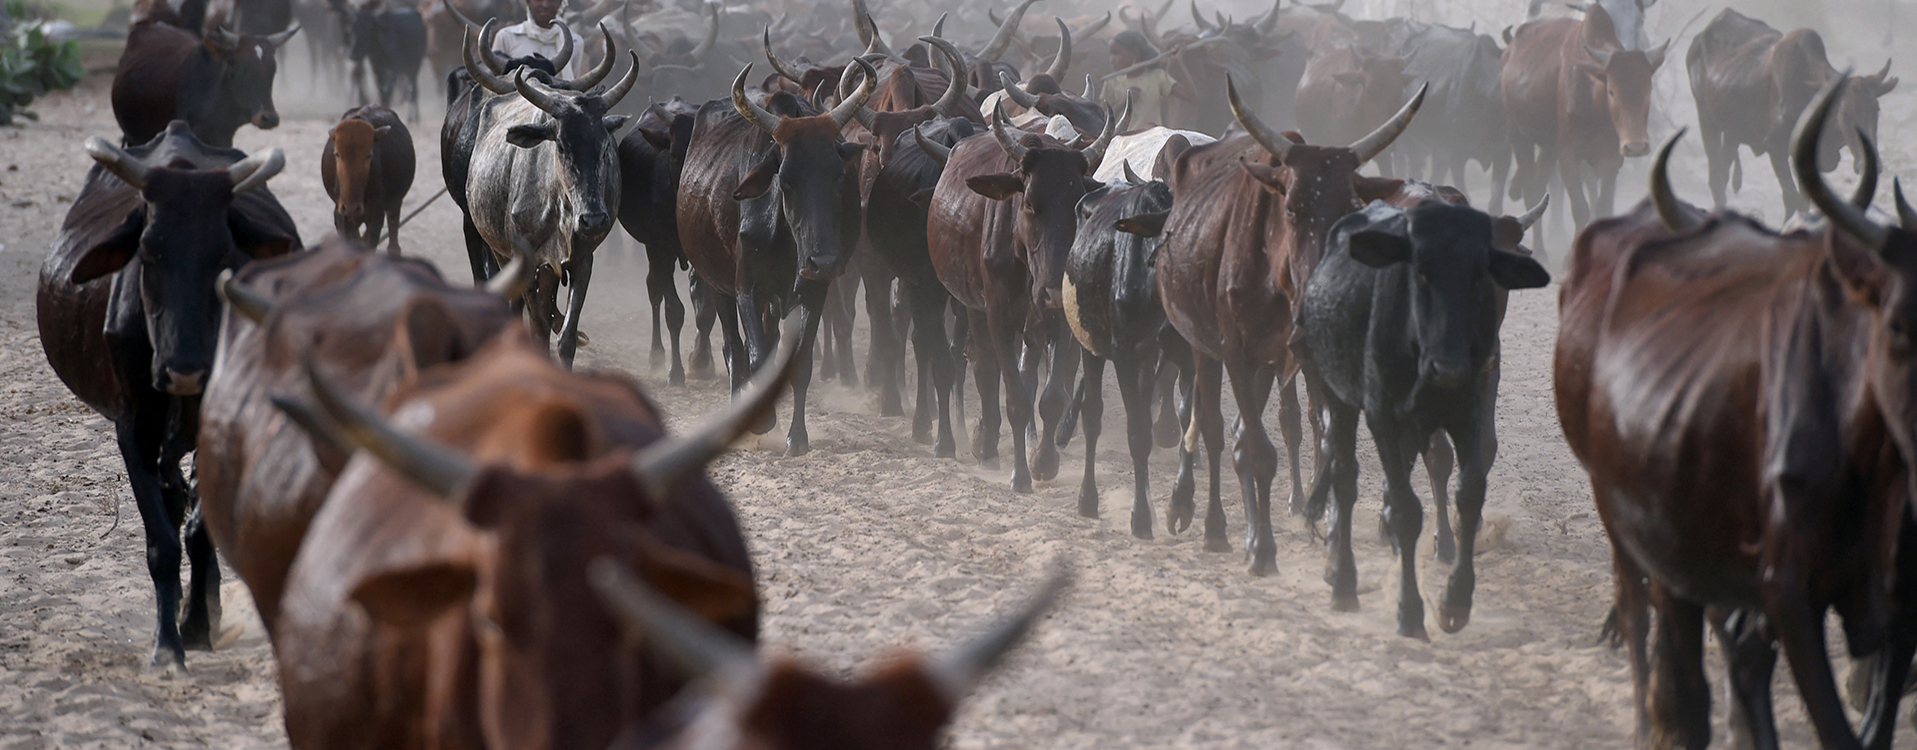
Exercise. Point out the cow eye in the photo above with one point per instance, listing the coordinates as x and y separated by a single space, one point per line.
1900 343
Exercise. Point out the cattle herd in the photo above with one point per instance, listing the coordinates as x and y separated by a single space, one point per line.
453 540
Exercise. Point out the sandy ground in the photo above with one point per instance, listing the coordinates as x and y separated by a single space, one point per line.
869 545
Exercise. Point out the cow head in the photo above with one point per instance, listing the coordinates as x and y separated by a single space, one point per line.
890 129
549 486
813 168
1877 268
1048 180
353 140
1623 83
1319 184
170 252
247 67
1857 112
746 703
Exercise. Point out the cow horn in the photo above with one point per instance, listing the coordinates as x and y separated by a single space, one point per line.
1273 143
1007 141
1851 219
1063 60
486 52
877 45
1906 215
849 108
1149 27
1371 145
698 647
779 65
1003 38
1662 197
1530 218
534 92
1019 96
1160 14
948 102
1130 176
766 121
859 13
958 672
280 39
956 74
659 467
123 165
253 171
940 152
483 73
1095 153
226 37
1866 192
699 51
243 299
318 428
938 27
1091 29
1602 56
565 47
453 8
599 72
439 469
1269 21
597 12
622 86
1199 18
511 281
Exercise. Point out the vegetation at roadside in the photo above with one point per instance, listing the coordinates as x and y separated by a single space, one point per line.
31 64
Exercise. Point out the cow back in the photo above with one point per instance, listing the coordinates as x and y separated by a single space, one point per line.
724 147
1528 79
970 237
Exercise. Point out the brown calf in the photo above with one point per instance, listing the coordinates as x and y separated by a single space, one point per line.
367 167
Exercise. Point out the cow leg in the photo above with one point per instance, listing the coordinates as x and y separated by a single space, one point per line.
478 253
1053 403
200 620
1680 697
1500 175
1571 174
139 435
1091 386
1337 480
1019 396
1800 629
1751 659
1288 426
1397 447
1179 510
1168 428
1632 611
1781 166
1437 467
934 353
1468 443
1257 461
1607 190
544 300
986 380
392 222
1890 666
705 311
1208 420
1135 384
664 292
580 271
1718 160
887 352
812 297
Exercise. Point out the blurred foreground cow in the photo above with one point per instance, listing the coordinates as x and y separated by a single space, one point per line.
441 597
746 703
367 166
129 318
215 84
377 322
1746 427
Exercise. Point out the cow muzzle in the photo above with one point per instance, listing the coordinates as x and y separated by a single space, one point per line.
266 119
1444 374
1635 148
179 383
595 224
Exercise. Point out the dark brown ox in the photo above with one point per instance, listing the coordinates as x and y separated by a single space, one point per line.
1752 82
1243 238
1746 425
367 167
1346 93
215 84
377 322
1574 97
129 319
442 600
1000 225
746 703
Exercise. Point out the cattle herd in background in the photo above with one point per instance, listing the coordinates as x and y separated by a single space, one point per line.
454 540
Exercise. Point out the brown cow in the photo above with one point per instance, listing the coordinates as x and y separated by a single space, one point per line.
215 84
749 704
1573 93
367 167
1751 83
441 599
1745 421
1346 93
377 322
1244 235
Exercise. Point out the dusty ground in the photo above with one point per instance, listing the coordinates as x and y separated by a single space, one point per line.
867 545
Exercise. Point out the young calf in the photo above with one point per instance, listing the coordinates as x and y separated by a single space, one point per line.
368 167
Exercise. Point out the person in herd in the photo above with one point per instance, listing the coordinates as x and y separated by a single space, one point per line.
1152 89
539 34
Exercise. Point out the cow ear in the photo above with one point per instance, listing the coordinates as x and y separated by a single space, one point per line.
213 46
113 253
1856 266
758 181
1380 245
255 238
1269 176
530 135
923 198
381 131
1349 79
1144 225
614 122
998 187
1591 67
412 597
1376 188
1506 233
660 140
850 151
1515 271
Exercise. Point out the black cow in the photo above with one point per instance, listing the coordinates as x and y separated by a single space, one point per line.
651 157
1400 320
392 39
215 84
129 319
1466 121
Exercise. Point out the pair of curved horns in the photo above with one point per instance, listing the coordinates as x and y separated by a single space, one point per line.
1366 148
1003 37
1845 216
841 114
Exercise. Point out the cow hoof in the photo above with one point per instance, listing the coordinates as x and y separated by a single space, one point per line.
1022 485
797 446
1345 603
657 358
1217 544
946 448
1088 501
1178 516
1045 463
1264 568
677 375
1414 630
1453 619
1142 525
1447 551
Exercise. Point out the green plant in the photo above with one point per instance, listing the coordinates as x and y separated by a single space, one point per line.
30 63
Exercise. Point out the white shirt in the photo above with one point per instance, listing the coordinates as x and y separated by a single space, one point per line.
526 38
